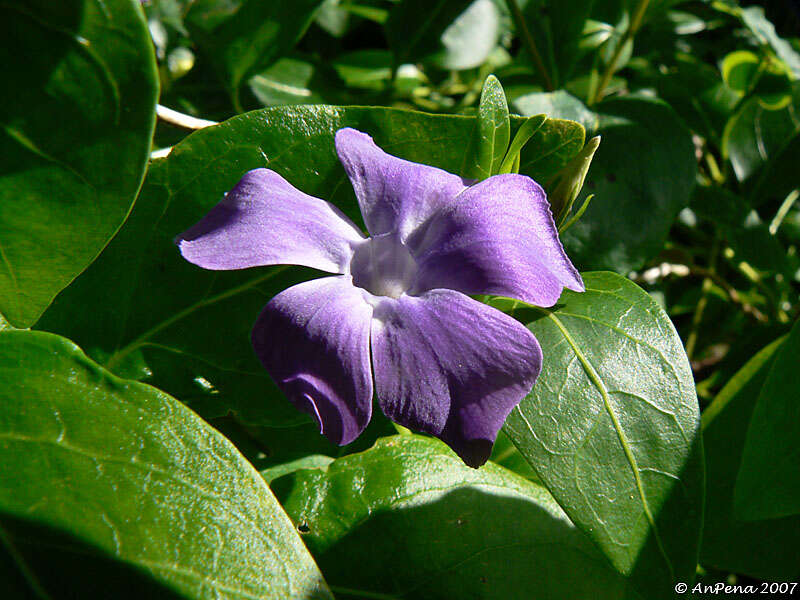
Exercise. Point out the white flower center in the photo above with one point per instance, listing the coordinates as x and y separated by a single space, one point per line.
383 266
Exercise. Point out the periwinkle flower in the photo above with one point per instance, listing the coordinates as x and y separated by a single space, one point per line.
443 363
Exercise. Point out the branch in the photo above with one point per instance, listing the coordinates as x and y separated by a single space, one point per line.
173 117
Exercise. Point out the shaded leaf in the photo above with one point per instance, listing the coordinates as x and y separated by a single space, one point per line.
77 115
455 34
407 518
129 491
764 549
641 176
768 483
242 36
754 134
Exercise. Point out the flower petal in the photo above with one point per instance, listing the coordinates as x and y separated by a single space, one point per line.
394 194
264 220
453 367
498 238
313 339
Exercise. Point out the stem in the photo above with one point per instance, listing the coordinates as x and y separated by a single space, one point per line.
713 169
530 44
173 117
160 153
636 23
783 211
680 270
697 317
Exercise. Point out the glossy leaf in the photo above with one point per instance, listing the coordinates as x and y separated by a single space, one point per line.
130 492
768 484
408 519
144 312
294 81
558 104
493 131
612 428
77 106
763 549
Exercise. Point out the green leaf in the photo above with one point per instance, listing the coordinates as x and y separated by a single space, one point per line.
641 177
493 132
144 312
367 69
779 176
755 134
768 484
469 40
453 34
116 481
552 146
762 549
765 77
612 428
77 110
523 135
754 19
739 68
568 182
242 36
414 27
558 28
295 81
558 104
408 519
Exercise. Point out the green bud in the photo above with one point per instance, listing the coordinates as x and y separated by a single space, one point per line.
567 183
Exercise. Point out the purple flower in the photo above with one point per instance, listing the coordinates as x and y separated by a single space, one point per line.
442 362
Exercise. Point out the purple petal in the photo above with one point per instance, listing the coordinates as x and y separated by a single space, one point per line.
313 339
453 367
395 195
498 238
264 220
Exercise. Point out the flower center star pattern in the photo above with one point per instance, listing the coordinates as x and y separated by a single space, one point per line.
395 319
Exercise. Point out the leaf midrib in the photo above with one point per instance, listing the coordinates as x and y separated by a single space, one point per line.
598 383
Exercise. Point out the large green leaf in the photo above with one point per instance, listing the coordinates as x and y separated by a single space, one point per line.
642 176
611 427
77 110
408 519
144 312
118 490
768 484
764 549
